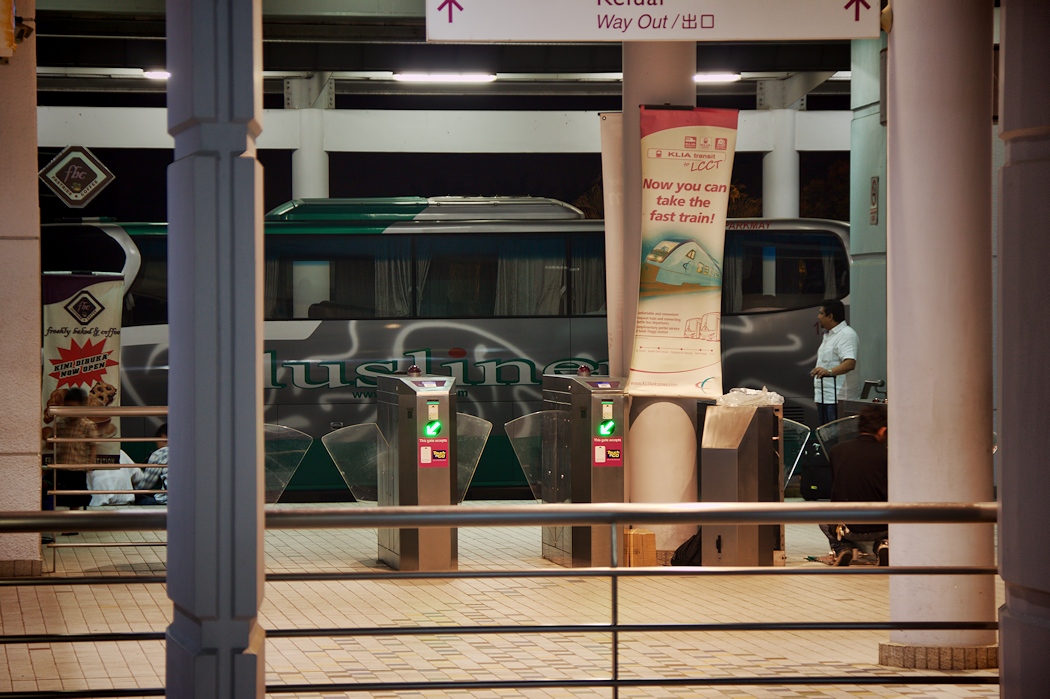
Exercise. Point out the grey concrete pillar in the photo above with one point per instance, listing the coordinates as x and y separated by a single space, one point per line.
311 97
20 290
780 177
783 99
662 430
939 310
310 161
1024 247
215 514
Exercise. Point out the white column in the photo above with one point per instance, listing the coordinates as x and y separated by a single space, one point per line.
1024 247
939 307
662 437
215 516
780 183
20 290
310 161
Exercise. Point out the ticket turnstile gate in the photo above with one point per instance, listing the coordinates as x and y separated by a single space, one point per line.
583 460
417 416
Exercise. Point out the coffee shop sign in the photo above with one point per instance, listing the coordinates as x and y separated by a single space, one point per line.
76 176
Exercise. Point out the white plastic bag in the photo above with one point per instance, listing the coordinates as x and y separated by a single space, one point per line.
112 479
739 397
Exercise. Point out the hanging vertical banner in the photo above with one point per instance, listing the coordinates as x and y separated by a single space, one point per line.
81 341
612 194
687 162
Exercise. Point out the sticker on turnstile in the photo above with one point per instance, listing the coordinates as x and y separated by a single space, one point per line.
433 452
607 451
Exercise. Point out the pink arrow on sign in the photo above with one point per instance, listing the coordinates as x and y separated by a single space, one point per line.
855 4
453 5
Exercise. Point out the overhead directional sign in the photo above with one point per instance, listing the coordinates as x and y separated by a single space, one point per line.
651 20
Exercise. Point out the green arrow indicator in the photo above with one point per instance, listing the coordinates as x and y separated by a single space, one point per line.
606 427
433 428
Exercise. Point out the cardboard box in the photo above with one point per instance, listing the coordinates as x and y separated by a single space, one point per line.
639 548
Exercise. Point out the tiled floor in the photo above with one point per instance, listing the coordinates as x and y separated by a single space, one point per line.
440 658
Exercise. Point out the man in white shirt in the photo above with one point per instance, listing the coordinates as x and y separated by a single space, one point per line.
155 476
836 359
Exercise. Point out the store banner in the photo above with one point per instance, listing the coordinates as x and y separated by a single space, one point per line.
687 162
81 349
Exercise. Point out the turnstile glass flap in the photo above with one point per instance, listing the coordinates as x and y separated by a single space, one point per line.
796 436
284 449
357 451
471 435
529 435
836 431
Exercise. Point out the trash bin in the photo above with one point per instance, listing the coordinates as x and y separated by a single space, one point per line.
741 461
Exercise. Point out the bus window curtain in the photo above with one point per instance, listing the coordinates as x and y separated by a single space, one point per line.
393 284
733 275
270 287
831 287
588 277
530 278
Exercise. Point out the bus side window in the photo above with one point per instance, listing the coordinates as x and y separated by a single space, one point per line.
587 274
337 277
532 278
485 276
146 302
456 276
782 270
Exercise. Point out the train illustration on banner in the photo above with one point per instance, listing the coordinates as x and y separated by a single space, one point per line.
684 262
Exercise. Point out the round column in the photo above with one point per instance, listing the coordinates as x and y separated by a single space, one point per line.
780 183
939 316
310 161
662 436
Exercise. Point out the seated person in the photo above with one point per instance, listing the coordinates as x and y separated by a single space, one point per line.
155 478
859 474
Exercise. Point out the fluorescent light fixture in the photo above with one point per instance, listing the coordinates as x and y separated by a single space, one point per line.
716 77
842 75
156 74
444 77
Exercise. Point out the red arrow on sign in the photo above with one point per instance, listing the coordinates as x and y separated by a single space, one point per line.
453 5
855 4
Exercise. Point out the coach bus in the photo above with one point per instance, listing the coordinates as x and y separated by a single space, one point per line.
495 292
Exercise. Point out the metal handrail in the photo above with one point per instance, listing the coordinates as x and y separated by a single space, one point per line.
533 515
412 516
107 411
99 440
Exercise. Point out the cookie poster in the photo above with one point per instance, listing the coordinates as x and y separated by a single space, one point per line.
687 162
81 350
